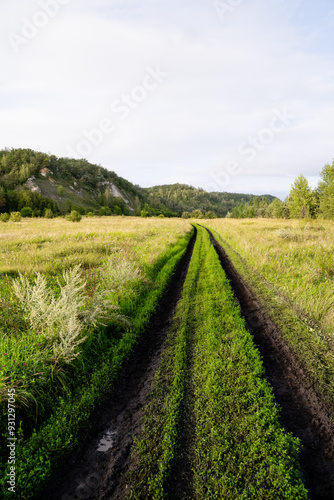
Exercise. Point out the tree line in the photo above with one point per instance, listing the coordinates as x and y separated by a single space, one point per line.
303 202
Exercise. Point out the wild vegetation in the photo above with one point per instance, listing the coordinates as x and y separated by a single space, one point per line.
210 388
301 203
73 305
74 302
41 185
289 265
189 202
33 182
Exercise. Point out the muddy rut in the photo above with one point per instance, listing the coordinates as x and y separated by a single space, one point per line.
95 469
302 413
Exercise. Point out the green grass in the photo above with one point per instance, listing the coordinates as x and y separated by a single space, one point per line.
238 449
288 265
54 401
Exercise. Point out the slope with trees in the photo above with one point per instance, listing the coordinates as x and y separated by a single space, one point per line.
195 202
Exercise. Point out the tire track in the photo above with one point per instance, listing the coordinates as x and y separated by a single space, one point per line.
97 469
302 413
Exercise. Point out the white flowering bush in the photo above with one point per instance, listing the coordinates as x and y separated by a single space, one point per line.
62 319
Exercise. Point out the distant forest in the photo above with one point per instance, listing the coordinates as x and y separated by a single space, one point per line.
37 184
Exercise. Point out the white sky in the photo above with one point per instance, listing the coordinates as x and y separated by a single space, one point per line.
248 103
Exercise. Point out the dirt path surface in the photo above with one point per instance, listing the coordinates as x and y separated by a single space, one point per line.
97 468
301 411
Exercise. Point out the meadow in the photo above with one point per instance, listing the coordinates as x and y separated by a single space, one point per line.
210 399
74 301
289 264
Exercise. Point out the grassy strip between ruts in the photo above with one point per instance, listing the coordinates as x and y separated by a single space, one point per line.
311 347
239 451
40 454
158 445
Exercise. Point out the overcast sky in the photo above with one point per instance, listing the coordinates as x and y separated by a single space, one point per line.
228 95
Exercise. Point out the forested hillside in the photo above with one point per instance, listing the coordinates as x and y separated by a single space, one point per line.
189 201
29 179
38 184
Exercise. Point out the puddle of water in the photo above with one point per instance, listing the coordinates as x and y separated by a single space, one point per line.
107 441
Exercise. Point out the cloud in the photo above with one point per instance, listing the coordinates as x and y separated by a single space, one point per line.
226 79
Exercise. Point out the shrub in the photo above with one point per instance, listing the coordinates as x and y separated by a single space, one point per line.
161 216
26 212
48 214
15 217
288 234
117 210
36 213
118 273
62 320
74 216
4 217
90 214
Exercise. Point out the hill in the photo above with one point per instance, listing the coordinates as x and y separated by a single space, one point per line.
181 198
37 180
41 181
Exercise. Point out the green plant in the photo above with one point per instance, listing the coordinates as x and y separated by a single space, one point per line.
4 217
61 320
26 212
48 214
210 389
15 217
117 210
74 216
103 354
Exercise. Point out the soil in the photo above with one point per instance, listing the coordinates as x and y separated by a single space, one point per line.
97 468
302 413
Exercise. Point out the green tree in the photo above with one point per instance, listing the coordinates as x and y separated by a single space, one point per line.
60 191
326 192
301 200
209 215
26 212
278 209
68 205
197 214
